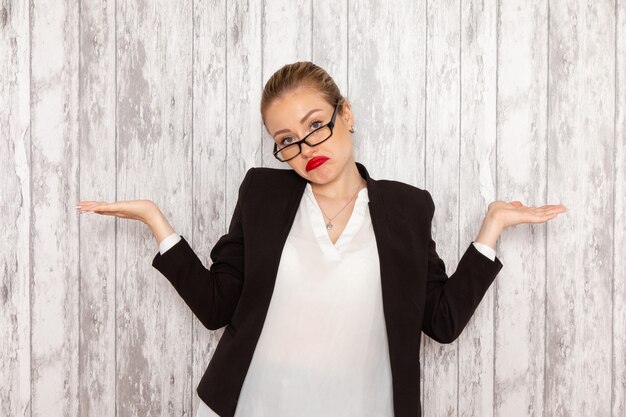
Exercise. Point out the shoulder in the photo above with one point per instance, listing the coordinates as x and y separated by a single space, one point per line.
266 175
405 191
406 195
264 182
266 172
399 187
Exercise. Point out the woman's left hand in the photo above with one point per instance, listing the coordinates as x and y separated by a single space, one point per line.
514 213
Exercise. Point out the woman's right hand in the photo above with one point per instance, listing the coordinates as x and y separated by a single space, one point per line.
142 210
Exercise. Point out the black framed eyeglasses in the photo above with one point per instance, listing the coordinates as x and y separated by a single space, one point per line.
314 138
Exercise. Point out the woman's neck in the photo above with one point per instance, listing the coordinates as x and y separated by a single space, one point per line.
343 187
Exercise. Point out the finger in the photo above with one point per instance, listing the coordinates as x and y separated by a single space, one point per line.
99 208
552 212
112 206
544 209
104 213
538 216
83 204
91 205
557 209
549 209
549 216
104 210
553 206
106 206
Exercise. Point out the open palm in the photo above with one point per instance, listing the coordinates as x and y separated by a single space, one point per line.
514 213
130 209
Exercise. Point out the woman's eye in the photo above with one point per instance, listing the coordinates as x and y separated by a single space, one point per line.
314 125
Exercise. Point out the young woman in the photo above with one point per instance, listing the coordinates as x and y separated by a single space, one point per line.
327 277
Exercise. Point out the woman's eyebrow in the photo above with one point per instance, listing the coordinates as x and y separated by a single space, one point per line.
306 116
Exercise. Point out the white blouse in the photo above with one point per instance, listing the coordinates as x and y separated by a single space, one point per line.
324 340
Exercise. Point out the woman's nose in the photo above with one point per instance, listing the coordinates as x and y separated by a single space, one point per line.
306 150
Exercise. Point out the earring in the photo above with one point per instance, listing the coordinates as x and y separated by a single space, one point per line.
352 129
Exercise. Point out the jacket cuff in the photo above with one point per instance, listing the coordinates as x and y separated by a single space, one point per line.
175 257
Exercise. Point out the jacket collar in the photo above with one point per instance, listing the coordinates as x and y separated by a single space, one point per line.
374 192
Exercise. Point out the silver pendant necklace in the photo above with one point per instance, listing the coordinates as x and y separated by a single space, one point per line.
329 225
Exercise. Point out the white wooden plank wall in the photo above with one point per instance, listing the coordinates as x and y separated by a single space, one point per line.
474 101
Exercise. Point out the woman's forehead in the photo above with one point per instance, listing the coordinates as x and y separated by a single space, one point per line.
298 99
291 108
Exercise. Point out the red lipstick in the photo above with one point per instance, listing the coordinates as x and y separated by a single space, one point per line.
315 162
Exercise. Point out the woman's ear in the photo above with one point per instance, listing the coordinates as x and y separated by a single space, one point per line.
347 115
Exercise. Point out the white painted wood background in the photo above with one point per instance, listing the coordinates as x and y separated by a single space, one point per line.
474 101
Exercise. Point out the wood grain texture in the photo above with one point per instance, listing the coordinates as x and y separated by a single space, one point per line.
154 160
618 380
474 101
386 83
15 213
519 316
579 268
329 34
54 231
97 153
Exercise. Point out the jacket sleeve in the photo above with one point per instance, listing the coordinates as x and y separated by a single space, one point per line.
212 294
451 301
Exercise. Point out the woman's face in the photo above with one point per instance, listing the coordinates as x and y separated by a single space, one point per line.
292 117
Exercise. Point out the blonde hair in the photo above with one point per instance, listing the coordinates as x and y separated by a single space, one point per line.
301 74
